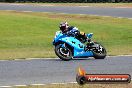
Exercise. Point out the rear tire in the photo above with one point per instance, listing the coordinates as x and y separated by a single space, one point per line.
99 52
63 53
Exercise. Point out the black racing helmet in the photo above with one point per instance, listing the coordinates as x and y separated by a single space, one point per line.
64 26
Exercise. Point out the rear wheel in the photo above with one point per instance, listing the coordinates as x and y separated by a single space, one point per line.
63 52
99 51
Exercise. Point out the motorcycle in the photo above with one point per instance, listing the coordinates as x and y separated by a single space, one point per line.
68 47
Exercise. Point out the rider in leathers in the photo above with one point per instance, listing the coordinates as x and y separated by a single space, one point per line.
72 31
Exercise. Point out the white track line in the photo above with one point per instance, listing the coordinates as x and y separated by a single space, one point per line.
38 84
4 60
130 18
121 56
83 6
57 58
8 10
123 7
5 86
57 83
20 85
17 4
27 11
45 5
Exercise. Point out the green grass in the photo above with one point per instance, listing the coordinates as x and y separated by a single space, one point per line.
84 86
28 34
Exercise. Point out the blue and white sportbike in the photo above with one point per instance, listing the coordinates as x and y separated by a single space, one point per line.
68 47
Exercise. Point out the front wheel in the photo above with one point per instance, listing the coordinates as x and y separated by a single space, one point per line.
99 51
63 52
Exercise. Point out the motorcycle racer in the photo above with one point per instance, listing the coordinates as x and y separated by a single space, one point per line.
67 45
72 31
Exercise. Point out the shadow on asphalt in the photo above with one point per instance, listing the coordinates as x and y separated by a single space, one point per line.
74 59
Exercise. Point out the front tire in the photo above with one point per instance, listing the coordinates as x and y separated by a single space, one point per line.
64 53
99 51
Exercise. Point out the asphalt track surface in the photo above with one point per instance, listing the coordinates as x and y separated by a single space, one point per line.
42 71
101 11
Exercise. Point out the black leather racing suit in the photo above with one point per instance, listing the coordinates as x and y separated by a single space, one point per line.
73 31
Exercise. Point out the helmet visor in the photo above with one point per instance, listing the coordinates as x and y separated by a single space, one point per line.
63 28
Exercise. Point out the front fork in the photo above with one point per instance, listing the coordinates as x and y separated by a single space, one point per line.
63 45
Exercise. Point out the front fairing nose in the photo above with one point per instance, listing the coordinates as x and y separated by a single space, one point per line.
53 42
57 36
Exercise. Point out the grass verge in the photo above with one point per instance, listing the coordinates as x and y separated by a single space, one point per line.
84 86
30 34
87 4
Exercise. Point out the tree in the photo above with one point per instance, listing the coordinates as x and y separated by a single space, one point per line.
10 1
